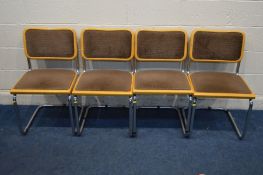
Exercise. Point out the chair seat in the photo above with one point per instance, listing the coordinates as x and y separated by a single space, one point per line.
104 82
161 82
45 81
220 84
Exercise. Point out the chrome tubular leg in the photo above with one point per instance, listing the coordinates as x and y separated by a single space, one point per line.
80 117
134 126
32 119
191 124
185 121
25 130
75 102
71 115
130 115
190 103
241 133
181 116
17 113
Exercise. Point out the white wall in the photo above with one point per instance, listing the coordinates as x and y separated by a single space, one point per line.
236 14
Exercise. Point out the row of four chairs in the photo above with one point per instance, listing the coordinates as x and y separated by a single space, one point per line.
121 45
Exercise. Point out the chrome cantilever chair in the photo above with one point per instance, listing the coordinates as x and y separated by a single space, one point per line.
219 46
47 44
162 46
104 45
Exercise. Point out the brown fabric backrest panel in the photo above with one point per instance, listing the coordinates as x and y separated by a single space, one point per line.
161 44
49 43
217 45
107 44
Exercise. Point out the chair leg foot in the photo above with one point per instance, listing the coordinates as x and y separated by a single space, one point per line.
133 134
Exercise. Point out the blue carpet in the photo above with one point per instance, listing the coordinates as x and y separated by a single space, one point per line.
105 147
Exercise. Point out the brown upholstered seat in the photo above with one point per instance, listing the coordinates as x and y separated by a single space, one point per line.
104 82
220 84
45 81
161 81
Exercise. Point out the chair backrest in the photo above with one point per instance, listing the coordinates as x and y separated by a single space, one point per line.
107 44
161 45
50 44
217 46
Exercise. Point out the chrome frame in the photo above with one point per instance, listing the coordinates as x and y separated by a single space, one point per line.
29 63
239 132
24 130
133 120
84 64
184 118
188 66
132 117
80 117
237 67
